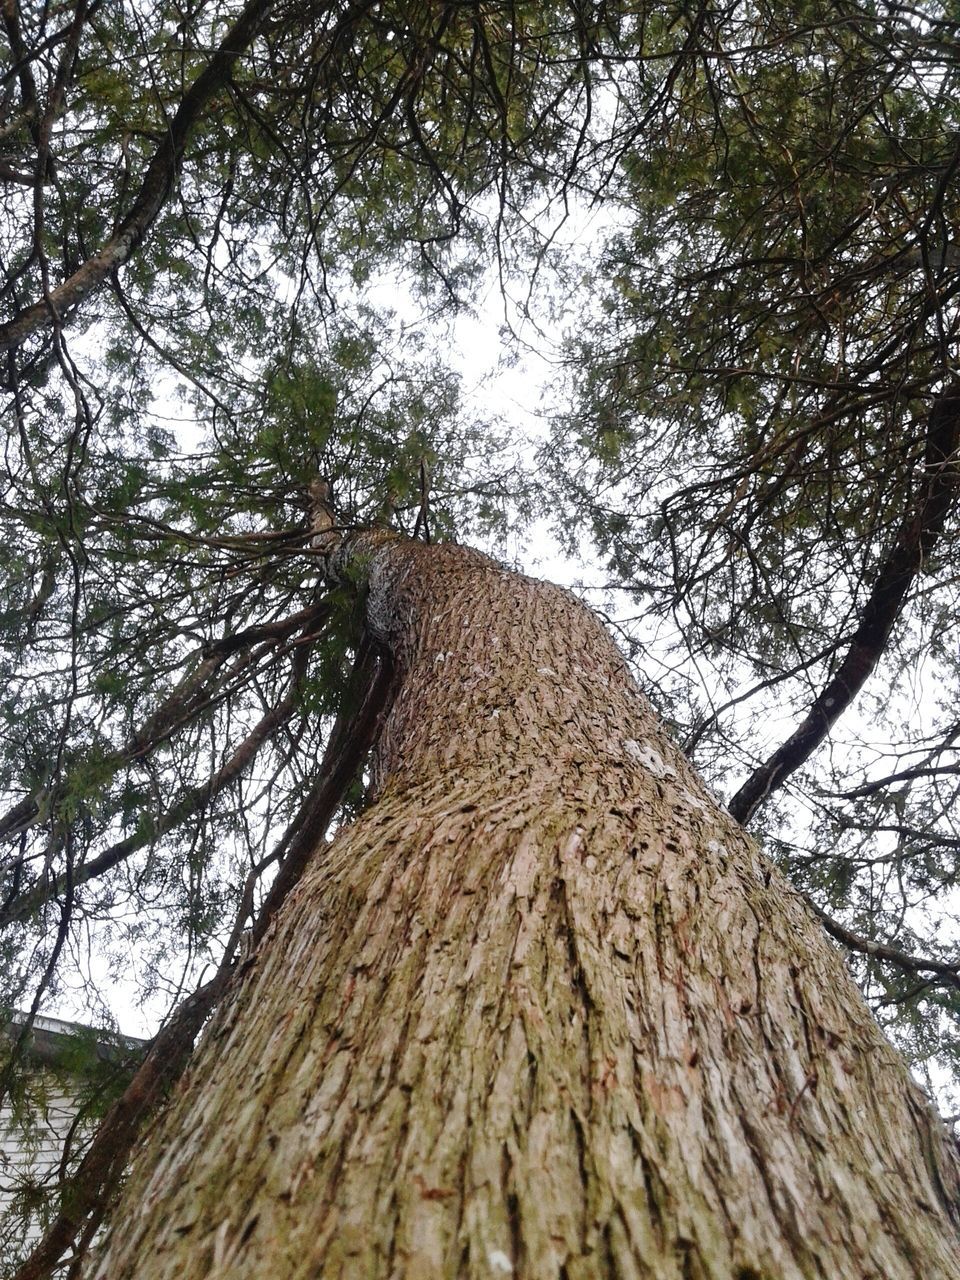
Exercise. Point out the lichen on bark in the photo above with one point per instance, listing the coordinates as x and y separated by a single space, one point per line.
542 1010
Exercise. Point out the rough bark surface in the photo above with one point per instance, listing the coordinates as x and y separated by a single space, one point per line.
542 1010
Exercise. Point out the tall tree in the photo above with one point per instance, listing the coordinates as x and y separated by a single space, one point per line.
542 1010
193 201
203 206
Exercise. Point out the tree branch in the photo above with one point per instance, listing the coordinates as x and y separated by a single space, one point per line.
88 1190
86 1195
351 739
916 539
190 697
190 803
948 973
158 182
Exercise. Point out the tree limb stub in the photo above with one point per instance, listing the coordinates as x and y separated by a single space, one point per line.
915 541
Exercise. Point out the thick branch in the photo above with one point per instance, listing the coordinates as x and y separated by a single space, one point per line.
98 1174
158 182
353 735
946 973
915 541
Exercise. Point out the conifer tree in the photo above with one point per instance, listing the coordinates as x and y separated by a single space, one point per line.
208 213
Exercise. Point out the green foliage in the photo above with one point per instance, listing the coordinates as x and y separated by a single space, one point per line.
754 348
776 313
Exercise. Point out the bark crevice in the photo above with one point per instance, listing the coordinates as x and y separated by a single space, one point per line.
542 1009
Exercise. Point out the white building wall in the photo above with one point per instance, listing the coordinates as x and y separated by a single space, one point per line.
31 1154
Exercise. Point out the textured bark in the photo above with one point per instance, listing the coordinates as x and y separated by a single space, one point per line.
542 1009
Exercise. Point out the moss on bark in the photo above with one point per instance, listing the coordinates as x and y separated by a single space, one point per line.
543 1010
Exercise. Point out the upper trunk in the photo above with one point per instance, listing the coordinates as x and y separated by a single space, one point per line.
543 1008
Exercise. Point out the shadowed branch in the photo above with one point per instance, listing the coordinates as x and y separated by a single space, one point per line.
915 541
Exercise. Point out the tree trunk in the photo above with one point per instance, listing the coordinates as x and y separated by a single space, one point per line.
542 1010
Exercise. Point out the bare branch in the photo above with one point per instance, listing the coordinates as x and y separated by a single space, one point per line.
916 539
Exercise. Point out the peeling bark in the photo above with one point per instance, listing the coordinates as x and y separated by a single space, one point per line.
543 1009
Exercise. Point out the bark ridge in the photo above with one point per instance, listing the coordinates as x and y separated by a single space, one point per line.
543 1010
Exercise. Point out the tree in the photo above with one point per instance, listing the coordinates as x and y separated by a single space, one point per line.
201 204
542 1010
